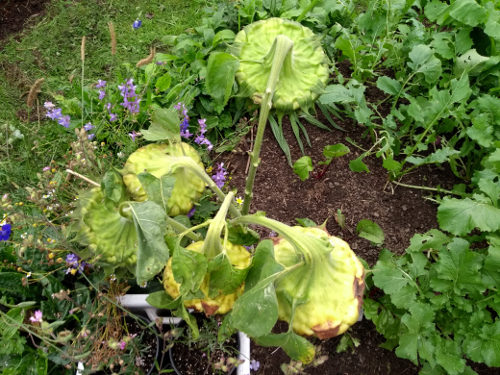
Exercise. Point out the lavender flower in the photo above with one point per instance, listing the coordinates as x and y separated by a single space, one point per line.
220 176
49 106
200 138
90 136
64 121
102 94
185 121
112 116
133 135
88 126
54 113
191 212
37 317
254 365
127 91
5 231
75 264
100 84
137 24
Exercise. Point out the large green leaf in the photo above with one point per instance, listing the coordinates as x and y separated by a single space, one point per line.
224 278
150 224
460 266
468 12
484 346
221 70
423 61
189 269
162 300
388 85
297 347
158 190
113 187
370 231
255 312
165 125
460 216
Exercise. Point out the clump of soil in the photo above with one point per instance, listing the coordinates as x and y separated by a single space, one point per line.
14 14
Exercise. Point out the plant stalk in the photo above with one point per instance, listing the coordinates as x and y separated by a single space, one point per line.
281 48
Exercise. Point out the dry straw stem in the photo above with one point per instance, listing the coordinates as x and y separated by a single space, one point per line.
34 90
112 34
148 59
82 49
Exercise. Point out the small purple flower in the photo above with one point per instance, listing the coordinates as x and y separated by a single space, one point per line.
254 365
72 259
102 94
54 113
37 317
220 176
48 106
47 168
133 135
137 24
64 121
112 117
90 136
88 126
100 84
191 212
5 231
122 345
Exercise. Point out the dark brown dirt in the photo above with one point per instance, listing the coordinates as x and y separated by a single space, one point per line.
16 14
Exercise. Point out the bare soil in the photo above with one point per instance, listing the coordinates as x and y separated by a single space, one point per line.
16 14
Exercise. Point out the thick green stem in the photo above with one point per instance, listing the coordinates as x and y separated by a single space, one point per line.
212 245
180 228
300 243
282 47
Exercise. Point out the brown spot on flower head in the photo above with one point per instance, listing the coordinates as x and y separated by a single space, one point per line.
209 309
326 330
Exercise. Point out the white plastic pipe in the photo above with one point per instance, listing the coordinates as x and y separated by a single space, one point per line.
244 367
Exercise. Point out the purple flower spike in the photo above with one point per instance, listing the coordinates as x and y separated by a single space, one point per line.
102 94
127 91
88 126
100 84
220 176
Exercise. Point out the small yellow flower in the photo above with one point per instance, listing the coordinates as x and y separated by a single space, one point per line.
53 170
51 255
210 169
73 271
59 260
239 200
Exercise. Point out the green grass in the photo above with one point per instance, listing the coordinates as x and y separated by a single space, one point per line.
51 50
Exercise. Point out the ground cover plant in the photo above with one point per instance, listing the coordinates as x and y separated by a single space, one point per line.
412 88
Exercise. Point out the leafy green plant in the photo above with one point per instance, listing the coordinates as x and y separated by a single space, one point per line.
440 305
303 166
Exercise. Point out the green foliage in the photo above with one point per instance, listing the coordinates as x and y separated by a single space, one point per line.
370 231
440 304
